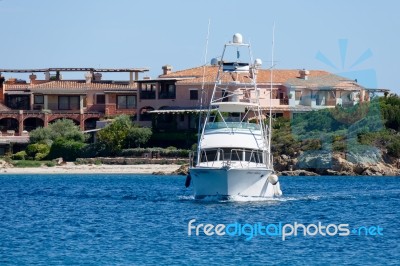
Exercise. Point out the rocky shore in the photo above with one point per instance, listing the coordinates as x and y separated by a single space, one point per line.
370 163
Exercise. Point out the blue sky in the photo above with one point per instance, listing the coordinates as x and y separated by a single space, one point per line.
357 38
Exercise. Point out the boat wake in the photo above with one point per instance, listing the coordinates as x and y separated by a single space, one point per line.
239 198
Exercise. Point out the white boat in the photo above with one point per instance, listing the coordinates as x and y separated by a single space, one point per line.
233 156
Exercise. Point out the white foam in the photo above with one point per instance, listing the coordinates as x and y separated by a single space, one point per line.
239 198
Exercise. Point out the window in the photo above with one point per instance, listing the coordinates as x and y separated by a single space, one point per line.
167 91
148 91
38 99
100 99
126 101
194 94
18 102
68 102
297 95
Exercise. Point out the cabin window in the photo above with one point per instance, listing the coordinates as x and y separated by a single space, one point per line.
126 101
253 156
225 96
209 155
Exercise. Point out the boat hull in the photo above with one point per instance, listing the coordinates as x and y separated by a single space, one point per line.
230 182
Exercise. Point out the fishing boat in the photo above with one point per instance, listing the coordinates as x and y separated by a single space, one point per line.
233 155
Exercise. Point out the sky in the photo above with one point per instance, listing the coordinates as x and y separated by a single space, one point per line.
357 39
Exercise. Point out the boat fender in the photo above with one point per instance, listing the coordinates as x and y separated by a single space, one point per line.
188 180
273 179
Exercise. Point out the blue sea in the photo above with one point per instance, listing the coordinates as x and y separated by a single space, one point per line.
144 220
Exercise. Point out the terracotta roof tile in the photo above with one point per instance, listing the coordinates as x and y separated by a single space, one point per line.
325 81
279 75
69 85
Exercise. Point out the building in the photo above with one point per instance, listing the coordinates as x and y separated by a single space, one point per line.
173 99
170 102
26 105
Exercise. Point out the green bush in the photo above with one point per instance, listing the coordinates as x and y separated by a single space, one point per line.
311 144
21 155
40 156
24 163
122 133
69 150
168 153
37 151
50 164
171 148
394 148
180 139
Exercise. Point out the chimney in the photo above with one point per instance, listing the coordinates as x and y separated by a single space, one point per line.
33 78
304 74
88 77
47 75
2 79
167 69
97 76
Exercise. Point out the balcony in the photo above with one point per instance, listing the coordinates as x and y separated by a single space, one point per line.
167 95
284 101
147 95
97 108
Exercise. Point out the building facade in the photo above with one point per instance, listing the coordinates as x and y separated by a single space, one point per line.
174 99
26 105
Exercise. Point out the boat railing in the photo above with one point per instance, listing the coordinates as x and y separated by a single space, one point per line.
226 157
206 156
236 125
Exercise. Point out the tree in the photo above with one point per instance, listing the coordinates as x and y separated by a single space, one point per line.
60 139
68 149
123 133
390 105
41 135
63 128
138 136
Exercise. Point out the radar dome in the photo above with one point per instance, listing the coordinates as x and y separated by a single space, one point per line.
237 38
214 61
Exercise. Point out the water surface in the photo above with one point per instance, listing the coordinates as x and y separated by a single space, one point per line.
143 219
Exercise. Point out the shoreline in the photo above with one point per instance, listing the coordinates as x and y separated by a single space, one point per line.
71 168
137 169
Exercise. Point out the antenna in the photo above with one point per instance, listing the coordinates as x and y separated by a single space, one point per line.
202 93
270 95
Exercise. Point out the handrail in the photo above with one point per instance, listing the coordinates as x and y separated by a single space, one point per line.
244 157
231 125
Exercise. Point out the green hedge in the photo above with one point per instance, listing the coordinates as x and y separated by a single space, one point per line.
168 153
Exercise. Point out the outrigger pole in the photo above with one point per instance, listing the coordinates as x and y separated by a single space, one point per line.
202 94
270 96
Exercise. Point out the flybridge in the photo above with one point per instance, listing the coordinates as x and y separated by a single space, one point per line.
76 69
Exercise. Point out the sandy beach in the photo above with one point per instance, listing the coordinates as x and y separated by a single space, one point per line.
71 168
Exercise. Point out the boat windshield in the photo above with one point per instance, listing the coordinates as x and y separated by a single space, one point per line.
244 125
235 154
